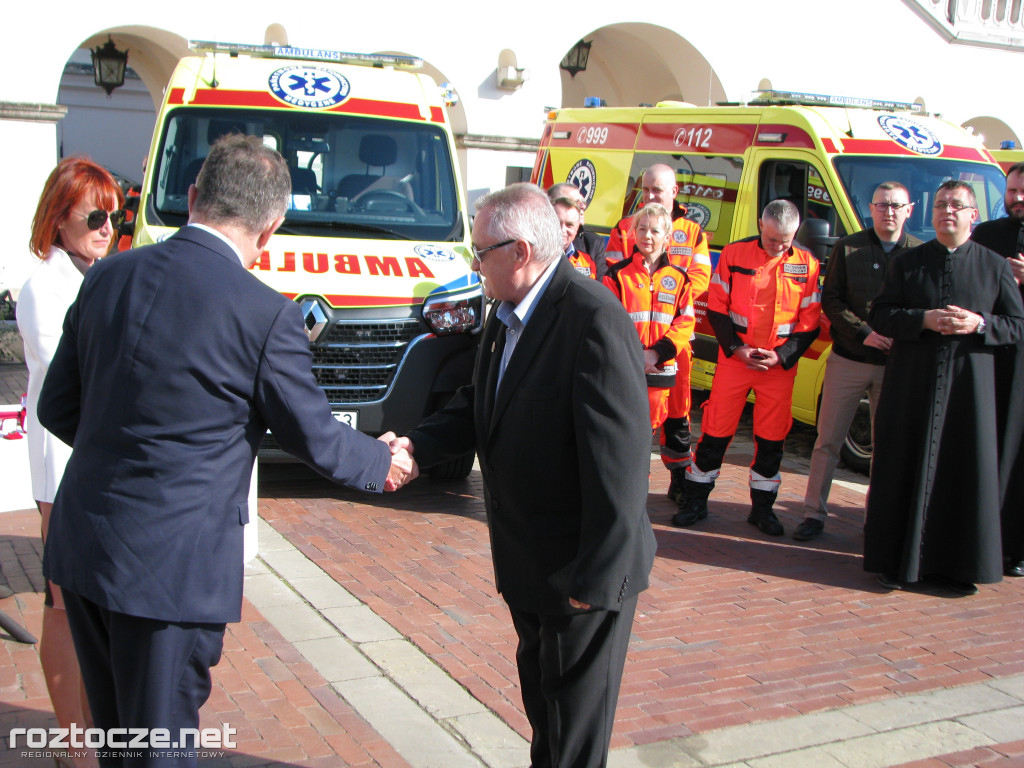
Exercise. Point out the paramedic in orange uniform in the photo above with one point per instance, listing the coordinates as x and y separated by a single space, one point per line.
589 242
688 249
656 294
764 305
569 215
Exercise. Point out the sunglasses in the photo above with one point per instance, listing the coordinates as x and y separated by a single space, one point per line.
96 219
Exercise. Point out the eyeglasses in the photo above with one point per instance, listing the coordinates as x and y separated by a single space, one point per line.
882 207
96 219
478 253
956 206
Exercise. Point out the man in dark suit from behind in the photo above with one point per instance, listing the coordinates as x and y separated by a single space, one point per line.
557 413
174 362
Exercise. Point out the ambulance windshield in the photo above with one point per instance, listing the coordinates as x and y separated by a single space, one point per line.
352 177
860 176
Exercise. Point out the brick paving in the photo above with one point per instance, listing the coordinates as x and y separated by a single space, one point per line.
736 628
284 712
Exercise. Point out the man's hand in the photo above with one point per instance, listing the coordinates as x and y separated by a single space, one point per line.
404 468
1017 265
951 321
578 605
651 361
878 341
756 358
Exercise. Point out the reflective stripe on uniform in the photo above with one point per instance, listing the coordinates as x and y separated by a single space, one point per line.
716 279
740 321
784 330
658 317
693 473
762 483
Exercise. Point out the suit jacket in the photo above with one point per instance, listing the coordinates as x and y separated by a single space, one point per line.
564 446
173 362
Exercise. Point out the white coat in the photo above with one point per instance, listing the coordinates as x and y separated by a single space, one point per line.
42 305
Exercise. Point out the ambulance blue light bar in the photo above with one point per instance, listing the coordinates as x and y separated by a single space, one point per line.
307 54
825 100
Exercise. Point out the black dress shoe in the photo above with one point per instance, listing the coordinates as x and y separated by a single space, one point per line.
1013 567
889 581
964 588
809 529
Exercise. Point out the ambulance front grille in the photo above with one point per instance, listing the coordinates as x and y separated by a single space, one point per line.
357 361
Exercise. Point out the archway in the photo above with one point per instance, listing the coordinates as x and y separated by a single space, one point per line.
636 63
992 130
115 131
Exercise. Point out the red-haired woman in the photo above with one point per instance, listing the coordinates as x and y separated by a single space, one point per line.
75 223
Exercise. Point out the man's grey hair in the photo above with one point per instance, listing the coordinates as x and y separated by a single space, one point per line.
523 211
785 215
242 183
564 189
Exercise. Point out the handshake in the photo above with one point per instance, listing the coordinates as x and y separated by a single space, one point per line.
404 468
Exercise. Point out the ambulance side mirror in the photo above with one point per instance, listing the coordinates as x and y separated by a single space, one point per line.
814 235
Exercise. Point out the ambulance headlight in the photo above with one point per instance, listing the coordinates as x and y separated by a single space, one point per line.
454 315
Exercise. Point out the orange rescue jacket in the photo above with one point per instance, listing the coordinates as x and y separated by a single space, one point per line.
732 300
688 249
660 306
582 262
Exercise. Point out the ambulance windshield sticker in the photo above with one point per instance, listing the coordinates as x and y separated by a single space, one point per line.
584 178
309 87
698 213
910 134
434 253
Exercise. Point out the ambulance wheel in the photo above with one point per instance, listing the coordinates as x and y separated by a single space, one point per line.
856 449
455 469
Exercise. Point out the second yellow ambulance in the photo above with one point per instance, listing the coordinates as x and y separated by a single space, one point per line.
826 154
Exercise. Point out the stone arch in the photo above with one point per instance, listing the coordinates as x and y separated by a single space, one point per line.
152 53
122 144
637 63
993 130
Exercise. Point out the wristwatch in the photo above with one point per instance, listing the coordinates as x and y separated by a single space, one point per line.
981 326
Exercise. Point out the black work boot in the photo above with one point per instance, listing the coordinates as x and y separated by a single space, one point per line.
693 504
761 513
675 486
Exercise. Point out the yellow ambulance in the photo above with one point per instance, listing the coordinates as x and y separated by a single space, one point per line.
1008 154
825 153
375 245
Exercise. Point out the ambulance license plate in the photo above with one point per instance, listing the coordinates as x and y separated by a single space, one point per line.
348 417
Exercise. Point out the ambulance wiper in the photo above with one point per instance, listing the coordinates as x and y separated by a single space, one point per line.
367 228
303 228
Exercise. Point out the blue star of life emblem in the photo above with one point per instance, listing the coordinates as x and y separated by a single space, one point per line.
309 87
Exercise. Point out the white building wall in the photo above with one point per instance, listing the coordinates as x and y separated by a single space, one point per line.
873 48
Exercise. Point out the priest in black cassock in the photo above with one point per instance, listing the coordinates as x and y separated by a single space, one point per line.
1005 236
934 500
